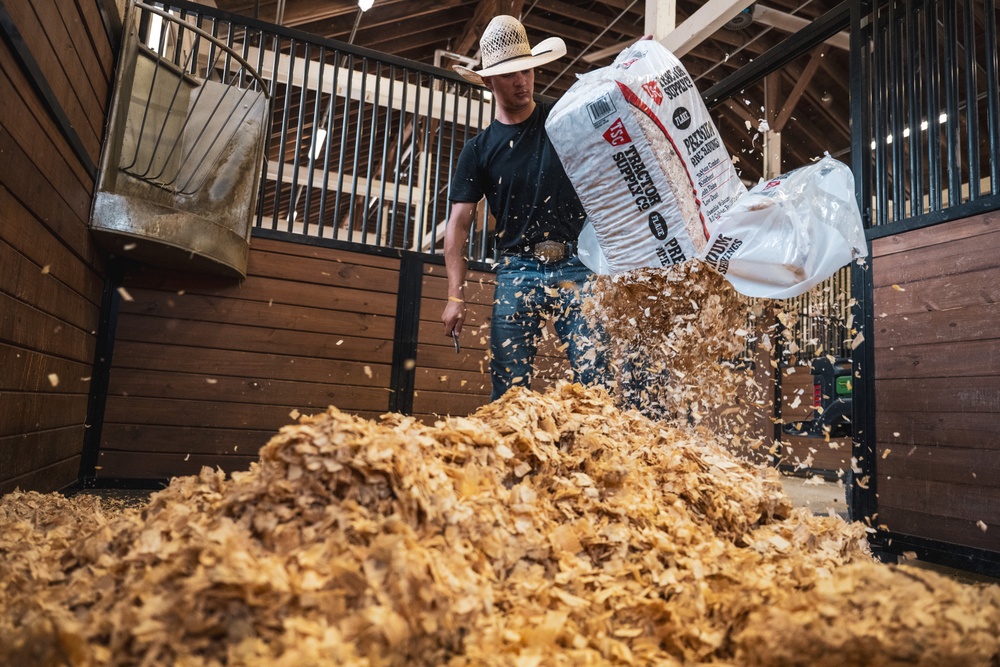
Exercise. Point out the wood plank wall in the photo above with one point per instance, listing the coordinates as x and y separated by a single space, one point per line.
51 275
937 385
206 369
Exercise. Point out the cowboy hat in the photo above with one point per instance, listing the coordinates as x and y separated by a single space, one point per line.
504 49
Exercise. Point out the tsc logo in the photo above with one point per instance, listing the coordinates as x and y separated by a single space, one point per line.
617 135
773 184
653 90
682 118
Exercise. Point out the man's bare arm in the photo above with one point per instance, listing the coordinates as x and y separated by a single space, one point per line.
456 240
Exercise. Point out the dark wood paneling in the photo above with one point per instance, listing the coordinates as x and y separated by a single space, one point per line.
937 381
46 37
113 464
207 369
51 272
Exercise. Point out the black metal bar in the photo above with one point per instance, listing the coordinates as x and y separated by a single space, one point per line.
407 227
275 50
349 65
992 69
317 127
399 157
386 133
896 125
283 140
951 93
293 193
862 499
935 217
971 100
878 110
373 136
818 31
933 107
358 135
325 194
913 110
404 350
437 165
100 374
41 87
424 182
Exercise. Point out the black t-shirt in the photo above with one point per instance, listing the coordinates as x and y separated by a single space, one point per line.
516 168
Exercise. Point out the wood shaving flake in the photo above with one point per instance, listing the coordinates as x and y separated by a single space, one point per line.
545 529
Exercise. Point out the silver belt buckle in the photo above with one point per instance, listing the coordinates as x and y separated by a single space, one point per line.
549 251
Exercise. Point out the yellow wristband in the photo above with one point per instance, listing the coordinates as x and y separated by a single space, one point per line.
456 299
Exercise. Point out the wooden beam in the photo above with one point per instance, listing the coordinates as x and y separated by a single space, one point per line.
661 18
699 26
792 24
800 87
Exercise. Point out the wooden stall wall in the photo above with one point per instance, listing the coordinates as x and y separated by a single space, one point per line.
206 369
56 65
937 381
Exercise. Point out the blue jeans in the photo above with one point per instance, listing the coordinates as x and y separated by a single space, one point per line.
528 292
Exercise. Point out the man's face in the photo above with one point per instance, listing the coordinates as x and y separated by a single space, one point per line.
513 90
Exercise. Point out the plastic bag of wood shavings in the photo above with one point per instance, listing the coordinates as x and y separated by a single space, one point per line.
542 530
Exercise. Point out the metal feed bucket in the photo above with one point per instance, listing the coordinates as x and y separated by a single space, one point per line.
180 172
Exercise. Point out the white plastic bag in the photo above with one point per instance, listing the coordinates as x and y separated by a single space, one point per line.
789 234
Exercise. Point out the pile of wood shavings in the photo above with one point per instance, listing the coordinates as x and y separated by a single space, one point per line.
675 338
543 530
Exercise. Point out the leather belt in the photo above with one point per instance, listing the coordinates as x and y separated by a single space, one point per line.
545 251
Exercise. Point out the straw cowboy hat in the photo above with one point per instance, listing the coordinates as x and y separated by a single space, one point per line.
504 48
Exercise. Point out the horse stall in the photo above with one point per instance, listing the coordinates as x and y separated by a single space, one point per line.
212 226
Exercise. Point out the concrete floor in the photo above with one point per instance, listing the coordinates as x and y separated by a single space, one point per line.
815 493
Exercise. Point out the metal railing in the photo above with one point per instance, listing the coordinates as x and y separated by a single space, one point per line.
930 111
361 145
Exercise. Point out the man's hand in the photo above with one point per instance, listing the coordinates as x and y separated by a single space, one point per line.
453 316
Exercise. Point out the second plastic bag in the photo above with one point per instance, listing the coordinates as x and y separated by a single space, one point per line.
788 234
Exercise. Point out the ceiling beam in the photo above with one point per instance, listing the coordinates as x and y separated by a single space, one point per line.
699 26
801 84
792 24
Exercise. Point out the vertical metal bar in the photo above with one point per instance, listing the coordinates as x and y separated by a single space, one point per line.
283 138
863 499
293 193
895 92
371 153
407 227
358 133
913 109
331 105
951 92
971 101
992 68
421 222
269 127
933 107
879 111
344 127
386 135
316 127
437 164
399 157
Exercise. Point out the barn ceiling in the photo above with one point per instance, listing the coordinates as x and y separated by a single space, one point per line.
807 100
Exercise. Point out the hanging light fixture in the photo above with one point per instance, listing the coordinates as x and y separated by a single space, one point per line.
365 5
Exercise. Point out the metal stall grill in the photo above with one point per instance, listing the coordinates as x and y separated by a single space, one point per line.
931 101
360 145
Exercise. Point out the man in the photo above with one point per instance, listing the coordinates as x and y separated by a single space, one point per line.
538 217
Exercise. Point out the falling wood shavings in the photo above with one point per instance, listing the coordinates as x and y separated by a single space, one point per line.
124 294
53 379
